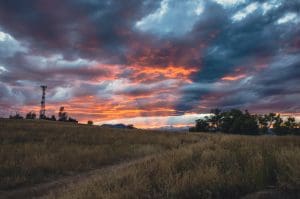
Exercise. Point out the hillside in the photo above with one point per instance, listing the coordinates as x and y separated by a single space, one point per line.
193 165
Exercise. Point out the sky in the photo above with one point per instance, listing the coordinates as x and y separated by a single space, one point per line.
150 63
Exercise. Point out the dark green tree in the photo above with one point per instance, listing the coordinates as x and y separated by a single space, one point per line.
30 116
202 125
278 127
290 125
62 115
271 118
237 122
216 118
53 118
17 116
263 123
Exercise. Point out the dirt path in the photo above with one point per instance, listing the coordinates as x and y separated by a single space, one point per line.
274 194
43 189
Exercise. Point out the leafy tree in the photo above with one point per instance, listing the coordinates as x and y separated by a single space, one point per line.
297 130
53 118
271 118
202 125
263 123
90 122
72 120
237 122
216 119
290 125
278 127
62 115
30 116
17 116
231 121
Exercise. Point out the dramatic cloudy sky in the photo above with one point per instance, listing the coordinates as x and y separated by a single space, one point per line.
149 62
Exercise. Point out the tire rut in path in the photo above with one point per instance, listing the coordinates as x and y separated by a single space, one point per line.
43 189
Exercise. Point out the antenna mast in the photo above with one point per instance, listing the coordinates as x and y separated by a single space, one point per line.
43 103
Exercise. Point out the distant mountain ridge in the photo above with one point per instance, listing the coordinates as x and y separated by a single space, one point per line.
118 126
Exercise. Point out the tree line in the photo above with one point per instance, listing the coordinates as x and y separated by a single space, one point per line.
236 121
62 116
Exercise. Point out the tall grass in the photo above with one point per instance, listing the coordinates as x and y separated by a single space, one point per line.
37 151
218 167
185 165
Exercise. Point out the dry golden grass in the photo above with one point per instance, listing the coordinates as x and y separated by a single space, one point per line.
191 165
218 167
36 151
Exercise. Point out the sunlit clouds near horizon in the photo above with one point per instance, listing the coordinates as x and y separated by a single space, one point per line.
149 63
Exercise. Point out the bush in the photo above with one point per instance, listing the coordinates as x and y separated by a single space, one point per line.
30 116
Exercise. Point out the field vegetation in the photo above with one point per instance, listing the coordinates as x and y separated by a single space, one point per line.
182 165
220 166
35 151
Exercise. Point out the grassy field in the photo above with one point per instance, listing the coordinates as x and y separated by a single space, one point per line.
33 151
186 165
219 167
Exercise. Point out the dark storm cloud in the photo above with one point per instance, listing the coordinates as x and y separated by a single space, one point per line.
275 88
94 29
279 81
139 91
53 73
254 41
238 43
